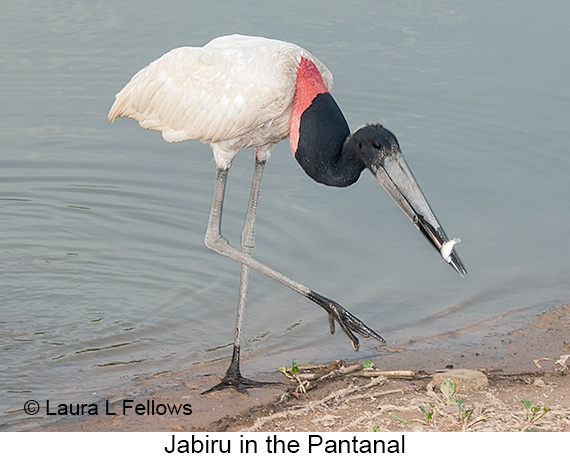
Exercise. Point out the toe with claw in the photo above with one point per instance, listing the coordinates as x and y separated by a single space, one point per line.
348 322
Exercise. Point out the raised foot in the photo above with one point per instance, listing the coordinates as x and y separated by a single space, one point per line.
348 322
239 383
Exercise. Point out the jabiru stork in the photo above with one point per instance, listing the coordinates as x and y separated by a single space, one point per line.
241 92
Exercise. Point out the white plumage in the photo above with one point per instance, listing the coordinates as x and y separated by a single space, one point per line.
235 92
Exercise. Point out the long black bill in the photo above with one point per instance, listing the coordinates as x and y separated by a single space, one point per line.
393 173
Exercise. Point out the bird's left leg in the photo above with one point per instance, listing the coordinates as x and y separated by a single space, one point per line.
233 377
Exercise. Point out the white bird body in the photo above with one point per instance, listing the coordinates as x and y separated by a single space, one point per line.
235 92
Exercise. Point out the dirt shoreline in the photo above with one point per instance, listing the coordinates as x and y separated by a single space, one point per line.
349 402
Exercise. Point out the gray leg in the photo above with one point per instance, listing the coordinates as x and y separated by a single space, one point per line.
215 241
233 376
248 244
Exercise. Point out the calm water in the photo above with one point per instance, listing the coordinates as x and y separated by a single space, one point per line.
103 273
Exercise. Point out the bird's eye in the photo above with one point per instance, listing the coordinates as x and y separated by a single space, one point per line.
377 146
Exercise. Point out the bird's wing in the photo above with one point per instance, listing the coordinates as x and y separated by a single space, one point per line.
219 92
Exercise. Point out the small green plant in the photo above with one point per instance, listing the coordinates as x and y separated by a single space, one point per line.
532 414
461 405
294 368
302 383
399 419
428 414
464 414
448 388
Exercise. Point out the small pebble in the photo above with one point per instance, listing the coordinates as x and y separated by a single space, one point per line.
465 379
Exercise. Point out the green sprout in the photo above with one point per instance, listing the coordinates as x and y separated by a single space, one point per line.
428 414
302 383
533 414
448 388
399 419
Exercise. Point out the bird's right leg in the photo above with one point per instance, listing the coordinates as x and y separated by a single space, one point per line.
233 377
215 241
